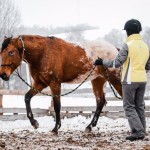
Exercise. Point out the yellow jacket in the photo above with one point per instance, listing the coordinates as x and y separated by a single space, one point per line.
138 55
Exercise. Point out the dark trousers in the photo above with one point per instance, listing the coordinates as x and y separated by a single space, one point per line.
133 104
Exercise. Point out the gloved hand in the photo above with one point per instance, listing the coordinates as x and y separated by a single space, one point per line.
98 61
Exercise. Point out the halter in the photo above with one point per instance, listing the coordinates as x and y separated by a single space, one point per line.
22 47
6 65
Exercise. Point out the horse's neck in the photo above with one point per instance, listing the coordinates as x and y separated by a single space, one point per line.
29 54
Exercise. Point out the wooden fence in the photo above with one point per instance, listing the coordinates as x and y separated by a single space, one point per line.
69 111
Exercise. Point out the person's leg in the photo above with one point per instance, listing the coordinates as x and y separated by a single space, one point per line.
140 105
129 91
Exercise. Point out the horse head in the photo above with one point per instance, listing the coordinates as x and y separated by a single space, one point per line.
10 58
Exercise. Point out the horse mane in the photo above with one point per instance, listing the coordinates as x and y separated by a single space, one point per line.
51 37
5 43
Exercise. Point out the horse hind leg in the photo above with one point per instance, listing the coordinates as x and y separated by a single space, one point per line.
98 85
56 90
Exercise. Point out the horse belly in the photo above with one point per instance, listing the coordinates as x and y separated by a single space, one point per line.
81 77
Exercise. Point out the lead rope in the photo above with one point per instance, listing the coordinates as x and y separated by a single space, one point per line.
17 73
112 88
106 73
69 91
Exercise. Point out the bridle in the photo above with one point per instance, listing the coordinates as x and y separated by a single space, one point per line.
6 65
23 47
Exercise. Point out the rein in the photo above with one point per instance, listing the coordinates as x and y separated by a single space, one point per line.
112 88
106 73
56 95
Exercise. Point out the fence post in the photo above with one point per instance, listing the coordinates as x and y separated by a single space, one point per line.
1 96
1 103
52 103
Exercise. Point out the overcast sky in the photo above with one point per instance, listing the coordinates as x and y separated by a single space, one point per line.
105 14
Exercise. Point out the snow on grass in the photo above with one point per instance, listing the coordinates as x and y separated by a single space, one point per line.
77 123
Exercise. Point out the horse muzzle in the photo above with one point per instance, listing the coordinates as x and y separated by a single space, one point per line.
4 76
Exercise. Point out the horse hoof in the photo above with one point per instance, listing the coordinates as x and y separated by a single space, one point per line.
88 129
57 126
36 124
55 131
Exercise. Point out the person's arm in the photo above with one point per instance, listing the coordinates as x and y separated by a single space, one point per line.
147 67
119 60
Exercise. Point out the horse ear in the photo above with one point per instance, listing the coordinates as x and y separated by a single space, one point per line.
18 42
118 49
5 37
5 43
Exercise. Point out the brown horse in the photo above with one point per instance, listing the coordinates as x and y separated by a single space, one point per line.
53 61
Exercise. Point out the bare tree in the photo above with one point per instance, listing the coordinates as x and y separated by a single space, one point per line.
146 35
75 37
115 37
76 33
9 18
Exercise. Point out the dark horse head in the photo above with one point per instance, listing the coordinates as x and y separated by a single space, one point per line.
10 58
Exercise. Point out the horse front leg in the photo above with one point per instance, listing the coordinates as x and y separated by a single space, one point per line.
56 91
28 97
98 85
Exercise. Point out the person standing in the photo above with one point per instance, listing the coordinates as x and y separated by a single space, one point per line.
135 59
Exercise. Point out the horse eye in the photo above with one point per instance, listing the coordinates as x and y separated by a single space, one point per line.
11 53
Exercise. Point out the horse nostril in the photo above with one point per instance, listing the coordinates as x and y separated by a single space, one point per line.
4 77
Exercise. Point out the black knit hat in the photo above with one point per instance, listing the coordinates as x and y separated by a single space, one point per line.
133 25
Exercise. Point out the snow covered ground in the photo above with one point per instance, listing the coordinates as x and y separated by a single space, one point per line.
78 123
108 134
44 102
